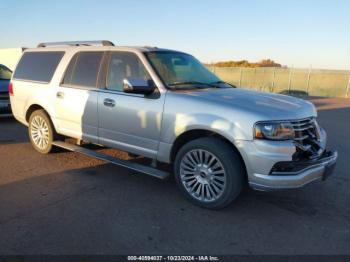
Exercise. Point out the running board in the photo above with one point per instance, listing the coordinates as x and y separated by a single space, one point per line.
113 160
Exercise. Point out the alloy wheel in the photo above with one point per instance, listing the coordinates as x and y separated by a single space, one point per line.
39 132
203 175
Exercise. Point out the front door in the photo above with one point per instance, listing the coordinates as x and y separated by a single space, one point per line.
130 122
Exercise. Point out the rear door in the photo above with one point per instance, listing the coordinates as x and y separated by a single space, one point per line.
76 97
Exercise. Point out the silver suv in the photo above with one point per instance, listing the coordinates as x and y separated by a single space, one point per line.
165 105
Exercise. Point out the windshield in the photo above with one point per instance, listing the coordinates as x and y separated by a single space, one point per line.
5 73
181 70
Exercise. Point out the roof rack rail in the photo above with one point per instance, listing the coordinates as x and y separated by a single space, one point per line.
77 43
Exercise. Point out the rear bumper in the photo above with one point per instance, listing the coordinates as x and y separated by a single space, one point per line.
5 108
287 175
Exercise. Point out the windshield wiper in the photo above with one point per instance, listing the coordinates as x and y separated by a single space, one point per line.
222 82
192 83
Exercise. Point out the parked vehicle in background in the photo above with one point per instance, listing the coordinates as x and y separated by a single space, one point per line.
5 76
166 106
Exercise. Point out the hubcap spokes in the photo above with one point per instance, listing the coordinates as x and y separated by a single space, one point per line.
202 175
39 132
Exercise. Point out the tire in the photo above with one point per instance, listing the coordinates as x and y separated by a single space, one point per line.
41 132
209 172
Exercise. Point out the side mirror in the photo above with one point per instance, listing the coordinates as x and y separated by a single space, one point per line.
138 86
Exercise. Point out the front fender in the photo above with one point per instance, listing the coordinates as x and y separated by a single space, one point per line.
182 123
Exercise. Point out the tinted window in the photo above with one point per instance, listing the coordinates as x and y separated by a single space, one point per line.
38 66
123 65
83 69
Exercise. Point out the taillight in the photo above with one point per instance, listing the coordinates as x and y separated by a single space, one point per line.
11 89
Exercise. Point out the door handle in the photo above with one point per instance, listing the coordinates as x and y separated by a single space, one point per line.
60 95
109 102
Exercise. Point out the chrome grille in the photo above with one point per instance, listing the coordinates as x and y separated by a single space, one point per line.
307 136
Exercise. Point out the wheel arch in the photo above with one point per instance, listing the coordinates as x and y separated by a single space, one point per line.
189 135
32 108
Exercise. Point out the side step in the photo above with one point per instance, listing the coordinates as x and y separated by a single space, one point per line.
113 160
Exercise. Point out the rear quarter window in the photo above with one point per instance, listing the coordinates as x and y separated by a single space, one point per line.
38 66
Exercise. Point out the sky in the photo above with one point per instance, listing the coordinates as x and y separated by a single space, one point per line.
309 33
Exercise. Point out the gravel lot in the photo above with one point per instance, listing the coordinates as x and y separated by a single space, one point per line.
66 203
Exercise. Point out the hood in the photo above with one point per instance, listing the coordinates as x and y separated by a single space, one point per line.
268 106
4 85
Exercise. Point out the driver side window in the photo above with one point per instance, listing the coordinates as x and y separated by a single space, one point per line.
123 65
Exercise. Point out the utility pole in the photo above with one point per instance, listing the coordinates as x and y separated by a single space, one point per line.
290 80
240 78
348 88
254 85
308 81
273 79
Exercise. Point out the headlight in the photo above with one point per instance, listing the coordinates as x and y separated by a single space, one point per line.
274 130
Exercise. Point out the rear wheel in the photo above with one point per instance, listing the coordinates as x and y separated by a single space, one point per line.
41 132
209 172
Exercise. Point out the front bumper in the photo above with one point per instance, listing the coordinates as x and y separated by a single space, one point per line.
270 164
286 175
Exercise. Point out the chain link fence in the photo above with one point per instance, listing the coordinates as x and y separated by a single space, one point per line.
324 83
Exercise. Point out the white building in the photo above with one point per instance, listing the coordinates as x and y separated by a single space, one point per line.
10 56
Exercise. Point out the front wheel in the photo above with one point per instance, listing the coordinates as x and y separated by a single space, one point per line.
41 132
209 172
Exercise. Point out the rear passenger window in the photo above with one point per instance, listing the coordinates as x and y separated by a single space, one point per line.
83 69
38 66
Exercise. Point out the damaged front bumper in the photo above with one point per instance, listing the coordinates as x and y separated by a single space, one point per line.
295 174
